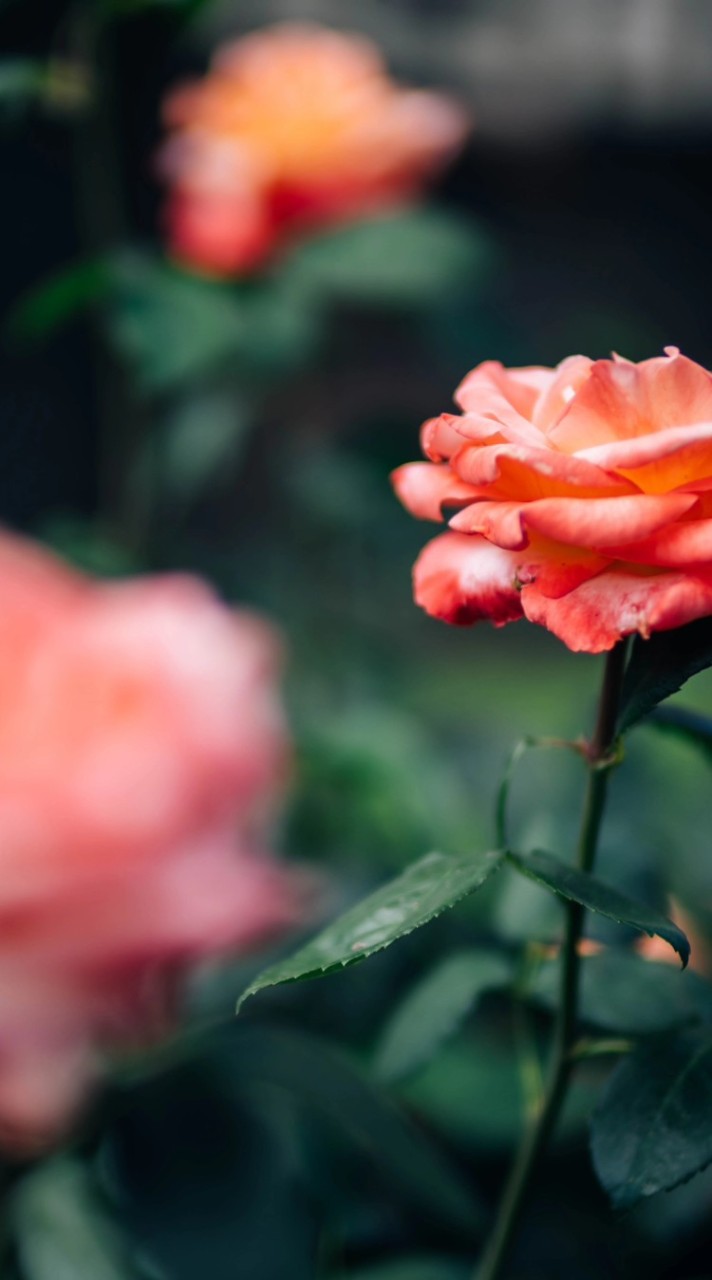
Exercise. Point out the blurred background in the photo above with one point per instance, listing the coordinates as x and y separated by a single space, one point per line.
155 417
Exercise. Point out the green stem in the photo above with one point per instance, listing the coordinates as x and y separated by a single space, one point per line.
537 1135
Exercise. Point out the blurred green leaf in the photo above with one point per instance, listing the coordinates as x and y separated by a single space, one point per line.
660 666
623 993
687 725
203 434
653 1127
434 1009
410 1269
22 81
421 893
399 260
173 327
578 886
63 1230
312 1070
59 299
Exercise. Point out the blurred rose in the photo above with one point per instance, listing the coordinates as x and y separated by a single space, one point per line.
294 127
141 748
584 496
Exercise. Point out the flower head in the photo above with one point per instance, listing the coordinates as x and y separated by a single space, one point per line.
294 127
141 748
582 498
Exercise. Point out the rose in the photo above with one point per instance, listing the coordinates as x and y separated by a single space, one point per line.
583 497
294 127
142 748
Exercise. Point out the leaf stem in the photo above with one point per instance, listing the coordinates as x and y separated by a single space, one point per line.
601 759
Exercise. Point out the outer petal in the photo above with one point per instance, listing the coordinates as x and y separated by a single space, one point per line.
521 388
424 488
465 579
596 523
617 603
676 546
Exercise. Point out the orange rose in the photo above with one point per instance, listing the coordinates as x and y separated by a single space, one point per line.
583 496
294 127
141 748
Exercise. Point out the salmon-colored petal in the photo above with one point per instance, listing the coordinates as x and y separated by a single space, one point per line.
499 522
579 522
687 543
621 400
605 522
569 377
463 579
520 388
425 488
516 471
662 461
618 603
440 437
557 569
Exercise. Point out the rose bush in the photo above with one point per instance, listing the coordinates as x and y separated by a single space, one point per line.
142 748
583 498
294 127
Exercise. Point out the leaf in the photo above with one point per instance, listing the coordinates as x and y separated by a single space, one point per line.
397 260
653 1127
63 1231
409 1269
22 82
434 1008
313 1071
174 327
421 893
57 300
660 666
578 886
690 726
203 436
623 993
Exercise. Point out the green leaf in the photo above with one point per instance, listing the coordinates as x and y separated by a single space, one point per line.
690 726
421 893
173 327
22 82
62 1229
660 666
434 1009
203 436
312 1071
57 300
578 886
398 260
409 1269
653 1127
623 993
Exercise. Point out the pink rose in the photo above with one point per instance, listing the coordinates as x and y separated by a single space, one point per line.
294 127
583 498
142 748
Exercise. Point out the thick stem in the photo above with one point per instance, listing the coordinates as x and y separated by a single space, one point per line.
538 1134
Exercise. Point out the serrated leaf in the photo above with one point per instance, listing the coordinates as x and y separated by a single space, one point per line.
653 1127
400 259
578 886
421 893
658 667
434 1009
623 993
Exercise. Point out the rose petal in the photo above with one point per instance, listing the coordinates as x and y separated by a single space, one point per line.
519 472
686 543
596 523
617 603
620 401
662 461
424 488
464 579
